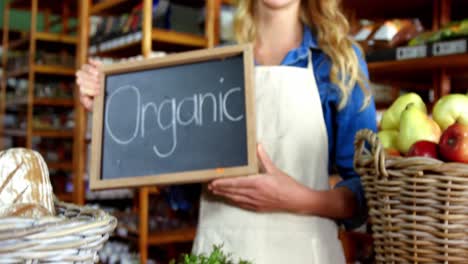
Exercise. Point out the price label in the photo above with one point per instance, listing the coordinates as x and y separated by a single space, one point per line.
405 53
450 47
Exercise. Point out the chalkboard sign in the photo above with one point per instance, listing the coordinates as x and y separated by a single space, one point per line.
182 118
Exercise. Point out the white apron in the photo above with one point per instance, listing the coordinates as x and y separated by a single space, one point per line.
291 127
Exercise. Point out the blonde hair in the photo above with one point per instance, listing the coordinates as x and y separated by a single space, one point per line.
331 28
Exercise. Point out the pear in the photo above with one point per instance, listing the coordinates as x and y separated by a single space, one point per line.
388 138
391 117
450 109
416 125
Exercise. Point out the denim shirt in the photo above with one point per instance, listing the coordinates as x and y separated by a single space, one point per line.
341 125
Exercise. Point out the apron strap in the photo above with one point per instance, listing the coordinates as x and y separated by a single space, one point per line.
309 60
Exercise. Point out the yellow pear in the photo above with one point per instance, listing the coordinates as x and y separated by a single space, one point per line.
391 117
388 138
416 125
450 109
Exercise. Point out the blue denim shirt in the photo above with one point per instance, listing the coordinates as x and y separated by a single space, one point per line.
342 125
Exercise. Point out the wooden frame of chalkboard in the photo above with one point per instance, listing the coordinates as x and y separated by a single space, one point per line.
245 71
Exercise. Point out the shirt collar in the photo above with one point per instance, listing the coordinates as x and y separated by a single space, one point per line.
309 41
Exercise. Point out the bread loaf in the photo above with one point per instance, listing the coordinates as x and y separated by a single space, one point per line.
25 188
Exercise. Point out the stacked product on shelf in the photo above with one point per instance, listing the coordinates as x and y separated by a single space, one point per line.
38 88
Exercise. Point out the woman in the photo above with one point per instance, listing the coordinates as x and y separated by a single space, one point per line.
311 99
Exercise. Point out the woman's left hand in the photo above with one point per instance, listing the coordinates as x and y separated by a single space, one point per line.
271 190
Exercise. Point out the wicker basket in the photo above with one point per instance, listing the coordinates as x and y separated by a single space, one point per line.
73 236
418 206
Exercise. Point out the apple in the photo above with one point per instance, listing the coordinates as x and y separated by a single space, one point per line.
453 143
424 148
450 109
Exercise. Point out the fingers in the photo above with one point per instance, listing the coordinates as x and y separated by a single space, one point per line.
264 160
88 88
87 102
89 84
241 182
95 63
245 192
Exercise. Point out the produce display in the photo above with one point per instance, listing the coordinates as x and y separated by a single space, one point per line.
217 256
406 128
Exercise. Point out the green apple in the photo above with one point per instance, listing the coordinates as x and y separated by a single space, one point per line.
449 109
391 117
388 138
416 125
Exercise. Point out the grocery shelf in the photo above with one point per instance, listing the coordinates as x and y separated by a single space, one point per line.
113 7
16 101
19 43
54 70
173 236
58 38
60 165
56 7
65 197
172 37
43 38
54 102
14 132
127 50
53 133
451 62
117 7
186 234
21 72
127 46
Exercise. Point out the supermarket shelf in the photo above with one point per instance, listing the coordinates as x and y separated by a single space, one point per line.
19 43
111 7
57 38
53 133
453 62
60 165
175 236
45 38
127 50
54 102
162 40
43 69
172 37
56 7
16 101
115 7
54 70
162 237
65 197
17 73
14 132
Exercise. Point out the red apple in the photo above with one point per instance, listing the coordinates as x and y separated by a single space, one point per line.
454 143
424 148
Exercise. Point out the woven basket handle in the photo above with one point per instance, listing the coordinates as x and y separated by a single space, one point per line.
376 150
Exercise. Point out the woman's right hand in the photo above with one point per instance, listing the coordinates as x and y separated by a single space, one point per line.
87 79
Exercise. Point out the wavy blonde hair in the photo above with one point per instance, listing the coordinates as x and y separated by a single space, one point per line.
331 28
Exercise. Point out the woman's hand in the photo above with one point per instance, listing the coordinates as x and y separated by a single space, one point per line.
272 190
87 79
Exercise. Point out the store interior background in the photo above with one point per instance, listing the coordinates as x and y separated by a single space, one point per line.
40 109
